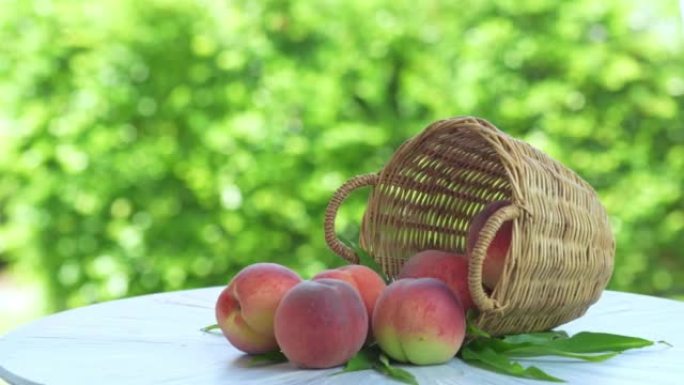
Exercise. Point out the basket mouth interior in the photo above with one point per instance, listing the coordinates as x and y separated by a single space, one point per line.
429 192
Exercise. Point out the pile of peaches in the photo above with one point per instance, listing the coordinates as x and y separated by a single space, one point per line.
419 318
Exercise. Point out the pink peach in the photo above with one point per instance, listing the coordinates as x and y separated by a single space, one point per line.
450 268
245 309
321 323
362 278
419 320
494 262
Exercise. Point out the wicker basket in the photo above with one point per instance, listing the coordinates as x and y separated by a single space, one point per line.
561 254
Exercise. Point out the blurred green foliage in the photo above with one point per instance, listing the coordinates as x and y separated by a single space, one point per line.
164 144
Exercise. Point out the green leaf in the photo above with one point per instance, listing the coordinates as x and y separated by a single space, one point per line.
489 359
537 337
363 360
495 353
394 372
269 358
589 342
209 328
584 346
365 258
544 344
471 329
370 357
536 351
584 342
496 344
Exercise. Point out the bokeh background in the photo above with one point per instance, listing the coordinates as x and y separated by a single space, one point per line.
157 145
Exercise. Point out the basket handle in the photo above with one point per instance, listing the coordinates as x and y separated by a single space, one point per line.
489 230
331 214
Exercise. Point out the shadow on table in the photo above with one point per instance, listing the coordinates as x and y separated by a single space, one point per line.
274 373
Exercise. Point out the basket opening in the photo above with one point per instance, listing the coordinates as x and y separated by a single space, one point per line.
430 190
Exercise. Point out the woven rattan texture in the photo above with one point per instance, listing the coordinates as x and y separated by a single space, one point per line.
561 256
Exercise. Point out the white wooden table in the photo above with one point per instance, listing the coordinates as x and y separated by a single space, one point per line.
156 339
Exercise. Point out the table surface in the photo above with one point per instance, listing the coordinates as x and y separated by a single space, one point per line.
156 339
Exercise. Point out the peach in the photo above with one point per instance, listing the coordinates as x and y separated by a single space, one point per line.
362 278
419 320
321 323
246 308
450 268
495 259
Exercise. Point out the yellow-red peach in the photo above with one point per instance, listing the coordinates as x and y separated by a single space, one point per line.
246 308
419 320
321 323
450 268
493 265
364 279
